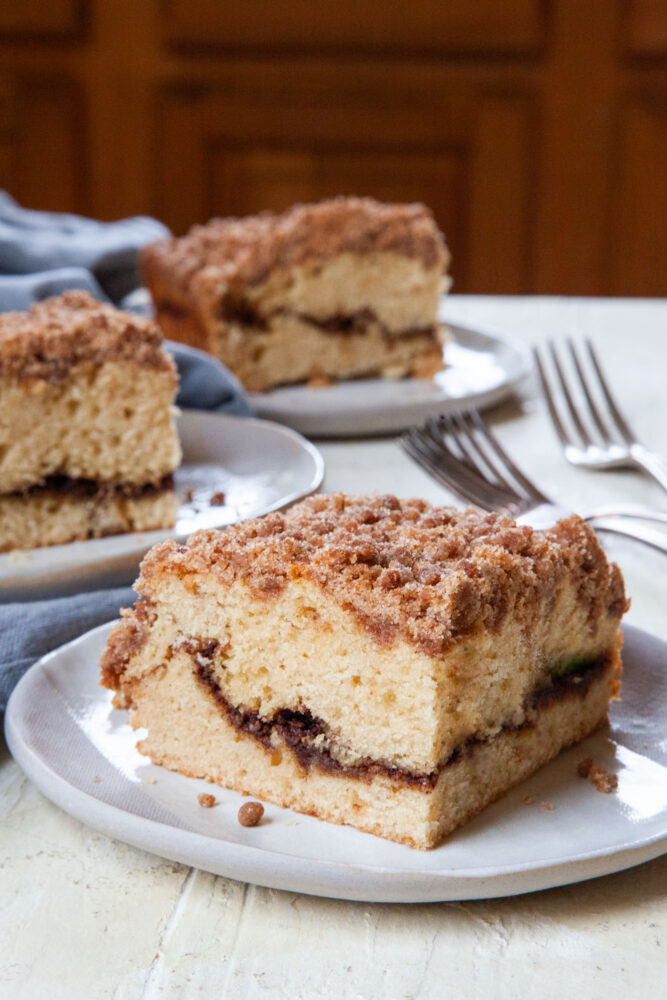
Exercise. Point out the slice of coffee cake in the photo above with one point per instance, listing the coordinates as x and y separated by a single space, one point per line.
370 661
340 289
87 437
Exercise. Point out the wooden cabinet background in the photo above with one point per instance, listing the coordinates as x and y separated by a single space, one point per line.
537 131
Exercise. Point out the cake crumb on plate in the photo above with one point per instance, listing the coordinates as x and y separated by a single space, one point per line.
599 777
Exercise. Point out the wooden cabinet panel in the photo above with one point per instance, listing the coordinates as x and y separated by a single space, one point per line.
466 155
358 25
511 120
499 234
43 18
645 27
638 244
42 156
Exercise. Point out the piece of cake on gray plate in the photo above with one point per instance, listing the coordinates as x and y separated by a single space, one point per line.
343 288
370 661
88 443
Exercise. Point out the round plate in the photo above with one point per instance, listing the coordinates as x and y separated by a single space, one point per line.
480 369
553 829
233 468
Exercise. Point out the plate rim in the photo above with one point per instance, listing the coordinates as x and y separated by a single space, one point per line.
289 432
278 870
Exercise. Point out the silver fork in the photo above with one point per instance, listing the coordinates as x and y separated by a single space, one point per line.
602 437
462 454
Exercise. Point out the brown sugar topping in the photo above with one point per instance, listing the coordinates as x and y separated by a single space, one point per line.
404 569
72 329
244 251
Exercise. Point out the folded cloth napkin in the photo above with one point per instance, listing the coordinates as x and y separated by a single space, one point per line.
43 253
28 631
205 384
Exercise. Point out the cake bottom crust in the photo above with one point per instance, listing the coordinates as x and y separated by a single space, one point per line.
54 517
188 733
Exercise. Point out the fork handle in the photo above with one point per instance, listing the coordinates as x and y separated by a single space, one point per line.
651 462
543 516
637 511
620 527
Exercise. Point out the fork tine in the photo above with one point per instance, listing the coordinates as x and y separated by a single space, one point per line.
574 413
487 466
455 427
499 466
437 429
453 471
455 474
621 423
513 469
592 405
416 447
458 425
561 433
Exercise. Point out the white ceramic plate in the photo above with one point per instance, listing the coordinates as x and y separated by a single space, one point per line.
256 465
481 369
81 753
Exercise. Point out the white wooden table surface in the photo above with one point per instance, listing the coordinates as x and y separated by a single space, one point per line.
82 916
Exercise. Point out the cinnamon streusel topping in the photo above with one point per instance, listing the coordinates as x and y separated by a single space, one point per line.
71 329
244 251
404 569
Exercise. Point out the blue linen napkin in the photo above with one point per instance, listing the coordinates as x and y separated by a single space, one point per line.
205 383
28 631
42 254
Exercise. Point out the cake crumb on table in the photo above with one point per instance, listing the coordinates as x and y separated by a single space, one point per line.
217 499
250 813
206 800
548 806
528 800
